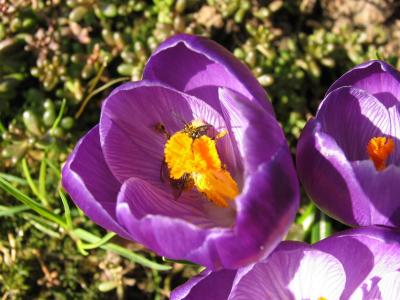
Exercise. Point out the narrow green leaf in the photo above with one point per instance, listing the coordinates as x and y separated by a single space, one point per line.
37 207
91 238
95 92
95 80
45 229
101 242
2 128
27 174
80 248
315 235
42 179
67 211
325 227
14 179
184 262
6 211
53 167
306 220
59 116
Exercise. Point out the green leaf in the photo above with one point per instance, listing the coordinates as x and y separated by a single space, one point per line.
32 185
307 218
67 211
6 211
60 115
101 242
42 179
37 207
42 225
96 91
91 238
184 262
13 179
54 168
325 227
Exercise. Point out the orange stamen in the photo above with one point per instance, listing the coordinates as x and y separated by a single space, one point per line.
379 149
189 157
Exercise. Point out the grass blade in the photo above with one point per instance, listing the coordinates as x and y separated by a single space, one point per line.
59 116
95 92
91 238
67 211
14 179
101 242
6 211
32 185
42 179
37 207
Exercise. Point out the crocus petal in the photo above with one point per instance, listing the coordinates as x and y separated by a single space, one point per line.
270 187
287 275
206 285
383 209
389 286
328 177
190 207
367 254
376 77
131 144
87 178
354 264
251 127
199 66
352 117
265 203
394 117
327 279
158 228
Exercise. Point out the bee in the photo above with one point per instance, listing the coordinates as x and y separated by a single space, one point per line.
194 130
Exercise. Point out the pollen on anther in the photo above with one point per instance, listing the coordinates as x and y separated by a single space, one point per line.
379 149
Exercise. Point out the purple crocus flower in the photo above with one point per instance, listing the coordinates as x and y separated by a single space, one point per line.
190 161
348 156
355 264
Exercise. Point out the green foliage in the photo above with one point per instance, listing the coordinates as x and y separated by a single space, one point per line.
59 59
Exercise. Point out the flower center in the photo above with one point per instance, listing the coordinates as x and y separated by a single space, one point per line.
379 149
192 160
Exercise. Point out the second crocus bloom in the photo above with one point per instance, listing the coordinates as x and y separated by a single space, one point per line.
348 156
355 264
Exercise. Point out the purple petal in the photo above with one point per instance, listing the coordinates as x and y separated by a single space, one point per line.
362 117
328 177
132 146
389 286
288 275
394 117
265 210
191 207
199 66
257 134
367 254
381 188
359 263
376 77
156 221
89 182
207 285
